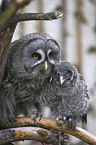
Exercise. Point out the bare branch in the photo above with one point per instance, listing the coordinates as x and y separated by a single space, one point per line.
36 16
51 124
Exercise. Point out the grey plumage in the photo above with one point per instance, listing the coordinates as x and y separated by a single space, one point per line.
30 62
66 93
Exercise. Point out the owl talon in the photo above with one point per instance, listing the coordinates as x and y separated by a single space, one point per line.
34 119
57 121
59 124
40 117
35 116
68 121
64 119
71 123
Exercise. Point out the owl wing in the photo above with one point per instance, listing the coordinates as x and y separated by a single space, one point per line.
7 104
85 86
86 98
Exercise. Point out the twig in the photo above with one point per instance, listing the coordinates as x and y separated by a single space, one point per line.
51 124
36 16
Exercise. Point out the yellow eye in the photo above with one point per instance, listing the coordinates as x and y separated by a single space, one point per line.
35 57
49 56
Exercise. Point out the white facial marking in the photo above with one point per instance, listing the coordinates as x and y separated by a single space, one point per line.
45 65
61 80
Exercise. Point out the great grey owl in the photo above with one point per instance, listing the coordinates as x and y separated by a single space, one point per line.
66 94
30 62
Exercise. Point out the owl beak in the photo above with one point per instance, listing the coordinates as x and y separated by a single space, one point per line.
45 65
61 80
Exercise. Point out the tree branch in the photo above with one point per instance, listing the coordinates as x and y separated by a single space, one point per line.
34 133
36 16
51 124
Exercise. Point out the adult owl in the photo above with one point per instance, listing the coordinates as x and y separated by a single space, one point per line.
31 61
66 94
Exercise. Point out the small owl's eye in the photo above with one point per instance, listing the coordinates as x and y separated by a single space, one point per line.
58 75
36 56
53 55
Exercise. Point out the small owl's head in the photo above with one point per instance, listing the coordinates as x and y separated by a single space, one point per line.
34 55
64 73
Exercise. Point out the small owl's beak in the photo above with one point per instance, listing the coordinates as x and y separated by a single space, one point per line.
45 65
61 80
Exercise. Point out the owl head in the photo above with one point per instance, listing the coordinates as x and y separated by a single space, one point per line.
65 73
33 55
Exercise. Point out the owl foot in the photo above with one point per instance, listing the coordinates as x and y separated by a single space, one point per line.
70 123
36 116
58 121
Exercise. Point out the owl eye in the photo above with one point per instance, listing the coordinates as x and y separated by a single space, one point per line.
53 55
67 75
36 56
